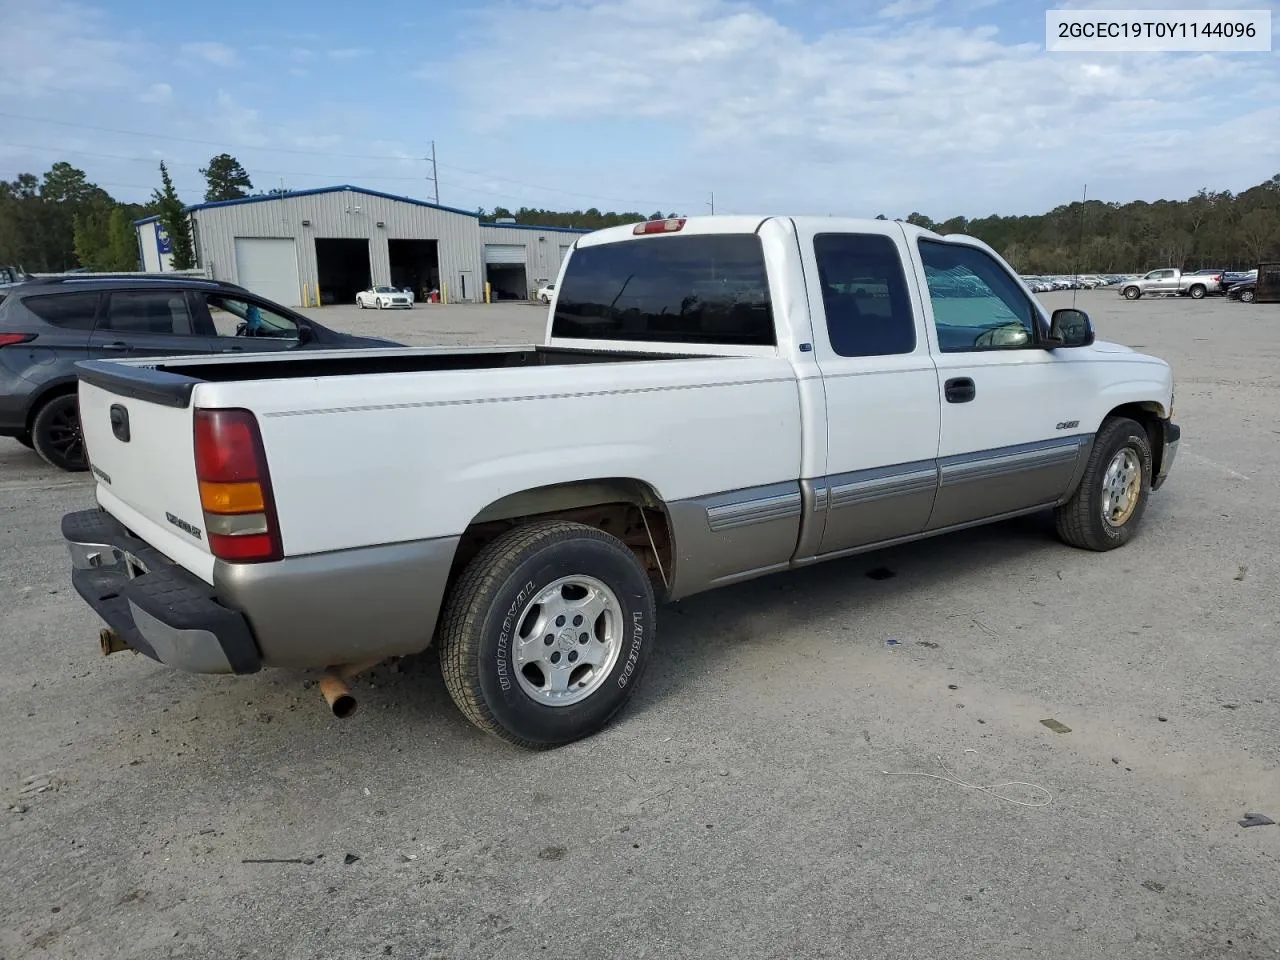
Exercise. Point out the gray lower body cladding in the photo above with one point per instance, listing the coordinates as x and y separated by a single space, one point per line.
743 534
312 611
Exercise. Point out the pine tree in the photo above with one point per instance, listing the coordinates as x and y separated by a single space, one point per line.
174 217
226 178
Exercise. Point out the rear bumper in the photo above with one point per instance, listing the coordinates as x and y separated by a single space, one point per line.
1169 452
320 610
156 606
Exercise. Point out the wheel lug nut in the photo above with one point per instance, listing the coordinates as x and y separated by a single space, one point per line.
573 655
555 657
548 639
560 621
582 638
577 621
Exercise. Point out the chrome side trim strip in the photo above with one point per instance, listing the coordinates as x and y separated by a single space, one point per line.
1003 461
742 508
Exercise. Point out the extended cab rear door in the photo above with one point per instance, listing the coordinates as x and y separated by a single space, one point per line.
1011 434
880 382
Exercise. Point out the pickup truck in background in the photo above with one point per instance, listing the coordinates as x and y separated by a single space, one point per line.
1170 282
715 399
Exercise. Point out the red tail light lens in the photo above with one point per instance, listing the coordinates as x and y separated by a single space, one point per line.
13 339
235 487
673 225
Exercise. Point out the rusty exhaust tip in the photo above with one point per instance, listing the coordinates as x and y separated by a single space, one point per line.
111 642
338 696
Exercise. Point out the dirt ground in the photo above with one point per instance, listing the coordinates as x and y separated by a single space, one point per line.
748 803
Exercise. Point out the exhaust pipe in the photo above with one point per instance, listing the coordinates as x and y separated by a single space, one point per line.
338 695
111 642
333 685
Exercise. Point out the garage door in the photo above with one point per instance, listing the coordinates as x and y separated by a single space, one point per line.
504 253
269 268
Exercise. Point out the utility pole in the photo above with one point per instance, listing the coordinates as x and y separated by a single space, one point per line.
712 204
435 177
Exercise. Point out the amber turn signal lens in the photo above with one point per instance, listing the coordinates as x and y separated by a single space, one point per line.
231 497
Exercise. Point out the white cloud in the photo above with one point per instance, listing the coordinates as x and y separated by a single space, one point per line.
211 51
955 119
59 48
157 93
906 8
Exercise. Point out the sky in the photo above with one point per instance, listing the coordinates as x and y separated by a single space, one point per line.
946 107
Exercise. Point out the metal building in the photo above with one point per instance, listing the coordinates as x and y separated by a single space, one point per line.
321 246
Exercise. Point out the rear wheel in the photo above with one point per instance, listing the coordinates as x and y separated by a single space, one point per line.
546 633
1107 507
56 434
1197 292
360 302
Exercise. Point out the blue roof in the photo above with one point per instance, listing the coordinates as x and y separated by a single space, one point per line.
534 226
369 193
338 189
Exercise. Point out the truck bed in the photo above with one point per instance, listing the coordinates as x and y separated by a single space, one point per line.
177 375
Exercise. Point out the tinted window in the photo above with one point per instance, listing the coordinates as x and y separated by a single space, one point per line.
74 311
692 289
976 304
151 311
864 291
240 318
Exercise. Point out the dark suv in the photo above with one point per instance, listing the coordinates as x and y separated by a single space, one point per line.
46 325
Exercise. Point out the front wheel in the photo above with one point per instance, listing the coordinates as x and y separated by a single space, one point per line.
56 434
380 304
1107 507
545 635
1132 293
1197 292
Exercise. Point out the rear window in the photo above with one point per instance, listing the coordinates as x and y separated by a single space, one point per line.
694 289
74 311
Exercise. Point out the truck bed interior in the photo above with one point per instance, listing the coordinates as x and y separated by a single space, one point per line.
296 365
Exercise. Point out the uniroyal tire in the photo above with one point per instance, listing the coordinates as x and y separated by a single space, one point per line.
1080 521
56 434
485 613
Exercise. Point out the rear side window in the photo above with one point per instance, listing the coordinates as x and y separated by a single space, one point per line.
864 293
151 311
693 289
73 311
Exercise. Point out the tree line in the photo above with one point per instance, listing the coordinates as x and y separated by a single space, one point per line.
61 221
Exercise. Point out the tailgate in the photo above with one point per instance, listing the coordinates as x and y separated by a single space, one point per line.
142 452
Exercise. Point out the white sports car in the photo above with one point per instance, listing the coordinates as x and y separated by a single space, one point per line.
545 293
383 297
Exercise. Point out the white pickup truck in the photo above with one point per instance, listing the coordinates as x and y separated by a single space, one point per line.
716 399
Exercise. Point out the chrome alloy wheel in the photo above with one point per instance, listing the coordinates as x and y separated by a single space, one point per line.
567 641
1121 487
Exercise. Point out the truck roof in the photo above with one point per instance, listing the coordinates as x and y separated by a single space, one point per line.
745 223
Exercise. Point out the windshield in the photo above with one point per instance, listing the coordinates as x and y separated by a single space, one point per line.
385 290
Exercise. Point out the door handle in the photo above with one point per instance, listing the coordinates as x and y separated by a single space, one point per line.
114 345
960 390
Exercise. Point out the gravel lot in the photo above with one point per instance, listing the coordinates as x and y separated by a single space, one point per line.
740 808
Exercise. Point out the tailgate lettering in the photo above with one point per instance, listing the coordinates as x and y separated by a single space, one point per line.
184 526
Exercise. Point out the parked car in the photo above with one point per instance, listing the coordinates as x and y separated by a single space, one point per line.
47 325
1244 291
384 298
746 394
9 276
546 292
1170 282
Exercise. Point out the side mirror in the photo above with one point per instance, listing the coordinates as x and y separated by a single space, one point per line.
1070 327
305 333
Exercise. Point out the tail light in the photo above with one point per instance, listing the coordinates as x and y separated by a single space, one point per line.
673 225
13 339
235 487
